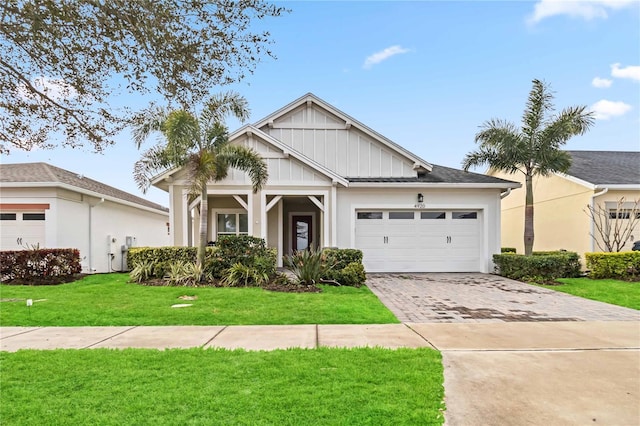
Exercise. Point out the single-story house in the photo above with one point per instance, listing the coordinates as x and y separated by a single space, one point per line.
596 178
334 182
46 206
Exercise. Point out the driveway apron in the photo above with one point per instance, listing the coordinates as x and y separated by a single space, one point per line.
478 298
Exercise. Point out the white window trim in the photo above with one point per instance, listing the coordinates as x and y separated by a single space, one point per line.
213 220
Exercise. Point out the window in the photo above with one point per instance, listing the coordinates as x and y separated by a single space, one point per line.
369 215
432 215
233 224
7 216
622 214
401 215
465 215
32 216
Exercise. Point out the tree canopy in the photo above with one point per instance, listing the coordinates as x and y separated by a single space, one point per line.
199 143
61 61
534 149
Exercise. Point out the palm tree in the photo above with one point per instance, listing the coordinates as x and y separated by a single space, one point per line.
200 145
532 150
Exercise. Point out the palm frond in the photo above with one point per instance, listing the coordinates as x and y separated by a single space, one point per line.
222 105
538 104
500 147
552 161
152 161
182 132
247 160
146 122
216 136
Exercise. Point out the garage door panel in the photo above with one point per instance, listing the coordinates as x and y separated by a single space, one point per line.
19 234
427 243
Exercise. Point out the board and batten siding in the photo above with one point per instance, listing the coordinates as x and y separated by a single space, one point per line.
282 170
331 142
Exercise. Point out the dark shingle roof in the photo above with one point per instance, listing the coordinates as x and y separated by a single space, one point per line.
439 174
46 173
606 167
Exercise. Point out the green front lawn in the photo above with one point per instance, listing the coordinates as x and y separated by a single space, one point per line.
616 292
294 387
103 300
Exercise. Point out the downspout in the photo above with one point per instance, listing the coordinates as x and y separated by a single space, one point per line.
505 194
593 205
90 233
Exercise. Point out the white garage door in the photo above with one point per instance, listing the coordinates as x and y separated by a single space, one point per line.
419 241
21 230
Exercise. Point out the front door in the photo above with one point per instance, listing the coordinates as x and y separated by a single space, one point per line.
302 232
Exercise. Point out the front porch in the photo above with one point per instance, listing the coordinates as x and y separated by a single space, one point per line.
287 219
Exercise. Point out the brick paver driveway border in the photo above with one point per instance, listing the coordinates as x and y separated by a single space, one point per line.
476 297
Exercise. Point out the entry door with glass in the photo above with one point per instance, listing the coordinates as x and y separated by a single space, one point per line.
302 232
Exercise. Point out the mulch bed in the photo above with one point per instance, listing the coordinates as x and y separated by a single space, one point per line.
45 280
292 288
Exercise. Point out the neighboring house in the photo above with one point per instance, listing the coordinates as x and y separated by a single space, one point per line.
561 200
334 182
54 208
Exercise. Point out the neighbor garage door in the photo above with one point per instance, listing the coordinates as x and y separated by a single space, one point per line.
21 230
419 241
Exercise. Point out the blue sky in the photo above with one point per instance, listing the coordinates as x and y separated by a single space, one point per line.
428 74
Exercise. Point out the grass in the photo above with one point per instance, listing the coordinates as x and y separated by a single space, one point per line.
616 292
109 300
324 386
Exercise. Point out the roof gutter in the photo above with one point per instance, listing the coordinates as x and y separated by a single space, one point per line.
593 204
81 191
434 185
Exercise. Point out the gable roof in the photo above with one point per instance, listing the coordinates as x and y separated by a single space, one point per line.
605 168
310 97
249 130
33 174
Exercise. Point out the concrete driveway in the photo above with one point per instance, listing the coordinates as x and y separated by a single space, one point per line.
517 354
479 298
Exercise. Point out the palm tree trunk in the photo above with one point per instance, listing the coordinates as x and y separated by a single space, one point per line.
528 216
204 214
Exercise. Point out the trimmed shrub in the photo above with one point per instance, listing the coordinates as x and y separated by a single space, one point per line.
342 266
538 268
161 258
40 264
352 275
623 265
243 249
508 250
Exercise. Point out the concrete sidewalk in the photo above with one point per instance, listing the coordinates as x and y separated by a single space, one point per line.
515 373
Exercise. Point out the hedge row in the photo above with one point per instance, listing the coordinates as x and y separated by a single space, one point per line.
542 267
40 263
624 265
229 250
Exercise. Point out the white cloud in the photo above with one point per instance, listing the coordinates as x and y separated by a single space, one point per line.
631 71
383 55
601 83
56 89
604 109
585 9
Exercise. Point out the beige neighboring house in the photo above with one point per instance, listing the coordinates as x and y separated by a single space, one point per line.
44 205
334 182
561 200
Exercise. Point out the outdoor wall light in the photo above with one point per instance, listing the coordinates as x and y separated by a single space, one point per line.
420 197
